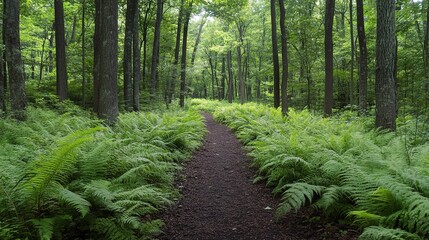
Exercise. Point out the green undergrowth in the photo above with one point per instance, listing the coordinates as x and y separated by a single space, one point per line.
64 175
340 165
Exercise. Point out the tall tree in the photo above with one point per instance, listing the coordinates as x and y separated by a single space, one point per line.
136 59
127 63
275 55
171 88
230 77
2 90
83 53
155 49
385 66
183 59
285 65
60 49
18 99
352 53
363 57
106 56
329 57
198 38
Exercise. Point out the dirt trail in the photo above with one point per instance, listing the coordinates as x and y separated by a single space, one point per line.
220 202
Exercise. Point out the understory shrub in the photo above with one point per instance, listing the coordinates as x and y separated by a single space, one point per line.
341 165
67 176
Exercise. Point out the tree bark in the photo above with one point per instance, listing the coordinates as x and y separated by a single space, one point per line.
285 65
385 66
198 39
230 77
97 54
172 87
18 99
2 90
107 56
145 27
127 63
275 55
83 53
60 49
222 80
352 53
183 59
363 58
155 49
136 59
329 57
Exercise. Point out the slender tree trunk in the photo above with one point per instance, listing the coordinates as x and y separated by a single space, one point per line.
49 66
352 53
136 59
60 47
73 33
33 63
145 27
97 54
176 53
329 57
155 49
385 66
4 66
127 63
363 53
83 53
275 55
198 39
2 90
285 64
261 52
183 60
230 77
42 59
107 50
222 81
18 99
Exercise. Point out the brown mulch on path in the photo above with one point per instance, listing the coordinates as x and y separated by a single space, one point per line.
221 202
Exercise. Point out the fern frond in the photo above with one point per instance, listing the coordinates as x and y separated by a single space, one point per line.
74 200
381 233
297 196
44 227
364 218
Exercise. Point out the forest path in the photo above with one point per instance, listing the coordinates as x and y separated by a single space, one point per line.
221 202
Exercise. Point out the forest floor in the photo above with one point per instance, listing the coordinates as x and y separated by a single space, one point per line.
219 200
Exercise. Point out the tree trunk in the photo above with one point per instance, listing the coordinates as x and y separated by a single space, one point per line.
127 62
183 59
285 65
329 57
176 53
275 55
107 51
60 49
73 33
2 90
198 39
230 77
83 53
155 49
385 64
14 60
352 53
363 62
145 27
222 81
98 43
136 59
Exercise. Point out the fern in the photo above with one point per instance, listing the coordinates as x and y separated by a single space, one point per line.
296 196
381 233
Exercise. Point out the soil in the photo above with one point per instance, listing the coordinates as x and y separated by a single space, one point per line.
220 201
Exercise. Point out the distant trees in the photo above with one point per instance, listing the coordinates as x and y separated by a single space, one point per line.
385 85
18 98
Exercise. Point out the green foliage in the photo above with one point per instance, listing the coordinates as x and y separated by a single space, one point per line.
67 176
377 180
